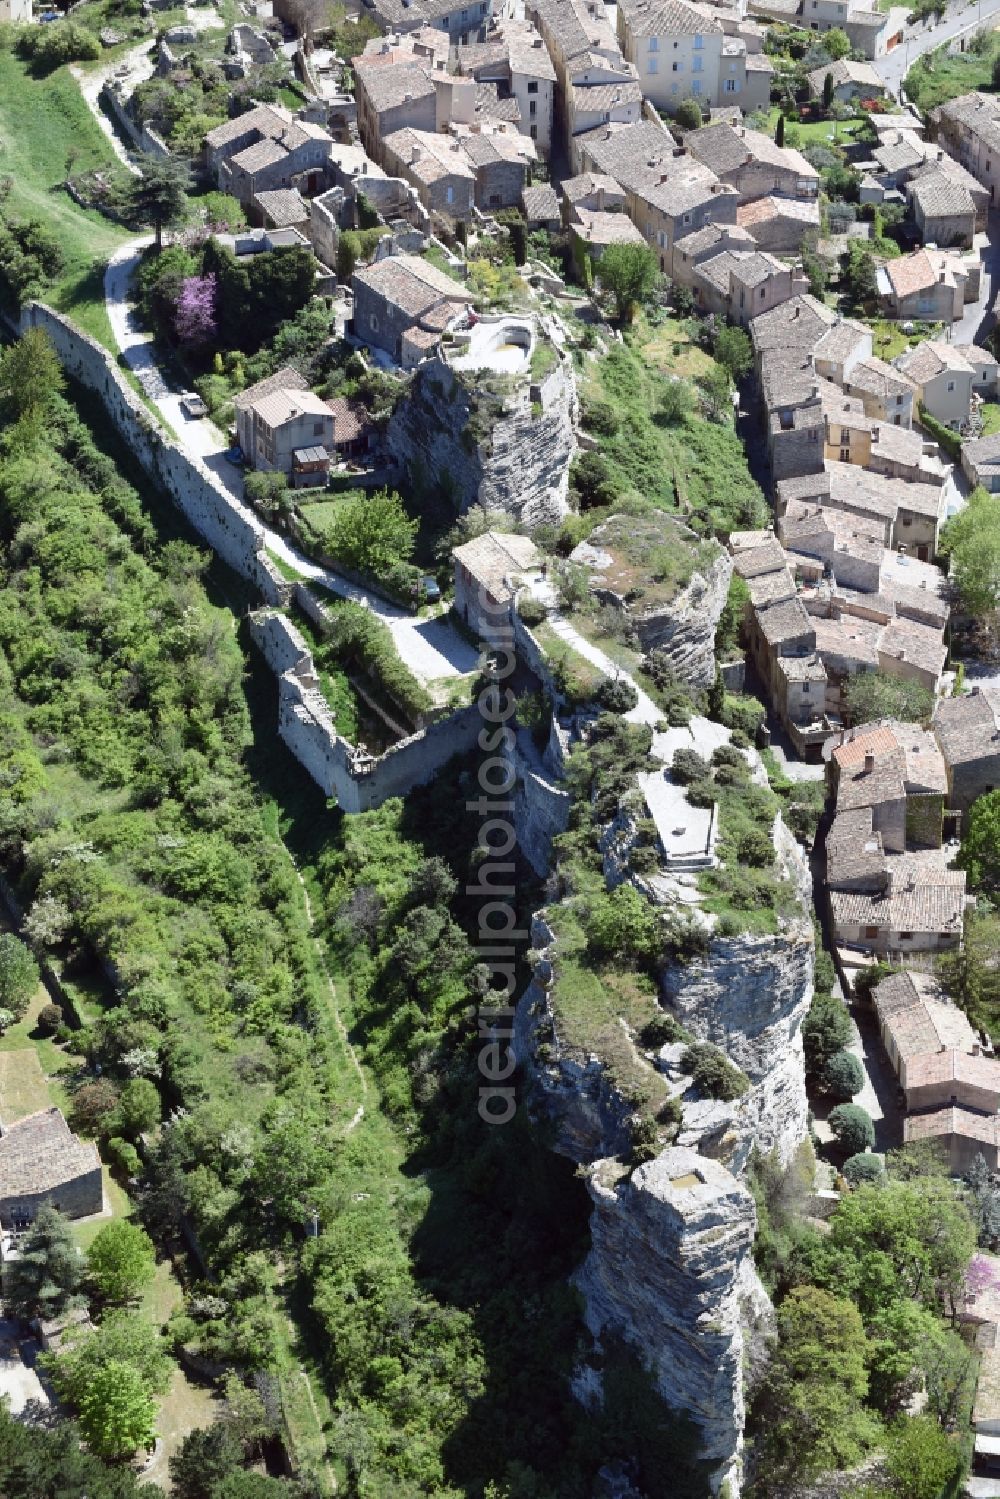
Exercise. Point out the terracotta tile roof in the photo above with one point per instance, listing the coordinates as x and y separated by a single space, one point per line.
540 203
266 120
286 378
283 206
665 18
933 906
920 1019
493 557
350 420
938 1124
727 148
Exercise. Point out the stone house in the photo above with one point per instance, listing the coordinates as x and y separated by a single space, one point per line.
500 163
741 285
282 426
353 428
692 249
968 730
593 231
985 371
943 209
541 208
969 129
929 285
884 392
282 208
899 154
487 574
460 22
594 190
981 462
851 80
437 168
394 92
298 158
751 163
681 51
779 224
403 304
932 1046
514 58
962 1135
943 378
265 122
42 1161
595 86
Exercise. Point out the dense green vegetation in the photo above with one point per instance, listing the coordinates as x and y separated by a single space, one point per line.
971 539
941 75
676 459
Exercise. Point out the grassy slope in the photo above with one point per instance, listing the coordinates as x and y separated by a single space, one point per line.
945 77
41 120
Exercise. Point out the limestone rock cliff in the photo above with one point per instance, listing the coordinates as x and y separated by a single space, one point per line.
670 1248
504 442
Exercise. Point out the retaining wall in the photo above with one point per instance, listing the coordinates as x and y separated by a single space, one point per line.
220 519
142 137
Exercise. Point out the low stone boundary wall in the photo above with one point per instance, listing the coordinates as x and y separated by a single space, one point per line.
142 137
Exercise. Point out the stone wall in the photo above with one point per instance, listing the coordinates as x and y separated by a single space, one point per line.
220 519
142 137
541 805
307 726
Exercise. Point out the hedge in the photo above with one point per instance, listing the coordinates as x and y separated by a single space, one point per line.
944 436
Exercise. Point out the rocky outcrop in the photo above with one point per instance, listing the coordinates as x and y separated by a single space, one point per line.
749 995
504 442
674 610
667 1271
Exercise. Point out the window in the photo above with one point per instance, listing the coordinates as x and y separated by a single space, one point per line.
899 400
951 385
449 196
871 933
697 64
677 67
653 66
907 520
763 293
532 109
696 86
654 44
533 86
533 132
317 429
699 42
373 322
730 87
742 302
845 455
906 936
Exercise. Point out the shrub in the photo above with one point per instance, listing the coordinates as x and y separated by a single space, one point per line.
123 1156
863 1168
713 1073
852 1128
741 711
727 755
531 610
842 1076
598 416
755 849
93 1105
688 766
617 695
50 1018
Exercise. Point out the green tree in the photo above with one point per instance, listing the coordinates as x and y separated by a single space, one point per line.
811 1416
121 1260
18 975
623 925
971 973
629 274
44 1278
676 404
842 1075
980 851
921 1459
836 44
94 1106
47 1462
157 197
827 91
901 1239
30 375
863 1168
122 1337
713 1073
779 131
689 115
268 490
117 1412
371 533
859 273
825 1031
206 1457
875 694
733 349
972 540
852 1128
138 1108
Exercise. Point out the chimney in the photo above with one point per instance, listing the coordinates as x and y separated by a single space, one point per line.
976 1049
795 312
814 395
869 762
941 276
414 154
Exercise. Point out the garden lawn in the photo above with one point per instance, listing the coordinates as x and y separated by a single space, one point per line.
990 413
43 120
817 132
939 76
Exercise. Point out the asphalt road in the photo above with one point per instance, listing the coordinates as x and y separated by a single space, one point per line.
965 16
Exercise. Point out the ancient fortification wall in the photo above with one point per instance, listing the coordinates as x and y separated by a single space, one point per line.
220 519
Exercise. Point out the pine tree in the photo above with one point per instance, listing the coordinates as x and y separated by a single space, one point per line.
46 1275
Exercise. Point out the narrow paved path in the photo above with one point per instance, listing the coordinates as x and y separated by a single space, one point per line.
139 65
430 646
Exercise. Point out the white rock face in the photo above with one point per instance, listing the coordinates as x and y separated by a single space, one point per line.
670 1250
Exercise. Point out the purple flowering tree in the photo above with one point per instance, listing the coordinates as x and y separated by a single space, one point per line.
194 316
